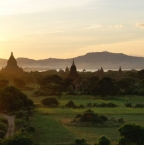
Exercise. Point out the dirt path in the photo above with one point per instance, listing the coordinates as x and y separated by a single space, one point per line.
11 124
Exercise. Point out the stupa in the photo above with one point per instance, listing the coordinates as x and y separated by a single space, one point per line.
12 66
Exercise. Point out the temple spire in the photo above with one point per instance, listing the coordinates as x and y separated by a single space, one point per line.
73 62
120 68
12 66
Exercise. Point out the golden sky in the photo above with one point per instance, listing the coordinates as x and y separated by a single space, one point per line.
69 28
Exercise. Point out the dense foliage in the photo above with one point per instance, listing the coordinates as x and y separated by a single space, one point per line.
130 83
51 85
18 139
131 133
103 140
50 102
19 83
12 99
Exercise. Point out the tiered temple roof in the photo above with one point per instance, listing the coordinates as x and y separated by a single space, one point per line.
12 66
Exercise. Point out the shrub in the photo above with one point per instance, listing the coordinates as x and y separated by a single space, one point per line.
49 102
104 118
54 106
121 120
19 139
111 105
2 134
132 133
21 114
3 120
140 105
81 141
81 106
103 140
123 141
28 129
20 123
88 116
70 104
128 105
3 127
12 99
1 141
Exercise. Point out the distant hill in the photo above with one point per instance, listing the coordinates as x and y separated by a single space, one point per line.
92 60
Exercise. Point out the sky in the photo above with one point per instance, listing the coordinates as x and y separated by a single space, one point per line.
40 29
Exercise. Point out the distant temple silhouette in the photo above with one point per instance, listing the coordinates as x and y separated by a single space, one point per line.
73 70
12 66
100 73
119 75
67 70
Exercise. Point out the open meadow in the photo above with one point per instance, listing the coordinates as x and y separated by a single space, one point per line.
52 127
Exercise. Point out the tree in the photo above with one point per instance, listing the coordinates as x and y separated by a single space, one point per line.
141 74
127 86
12 99
104 87
103 140
50 102
131 133
19 83
4 83
52 84
18 139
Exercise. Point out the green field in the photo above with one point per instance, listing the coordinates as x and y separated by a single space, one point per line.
51 127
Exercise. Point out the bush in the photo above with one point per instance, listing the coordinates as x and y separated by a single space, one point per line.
121 120
19 139
104 118
132 133
49 102
2 134
123 141
28 129
128 105
140 105
20 123
110 105
70 104
12 99
3 120
3 127
103 140
80 141
21 114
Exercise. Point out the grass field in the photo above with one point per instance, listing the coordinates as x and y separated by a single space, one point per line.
52 130
50 122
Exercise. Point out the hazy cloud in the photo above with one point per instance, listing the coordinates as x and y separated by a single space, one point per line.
90 27
140 25
95 26
8 7
116 26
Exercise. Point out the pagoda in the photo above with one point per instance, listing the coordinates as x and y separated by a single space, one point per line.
12 66
119 75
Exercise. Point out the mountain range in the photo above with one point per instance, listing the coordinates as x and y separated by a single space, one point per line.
93 60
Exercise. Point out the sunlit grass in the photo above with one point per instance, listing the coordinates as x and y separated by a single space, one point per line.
104 111
51 129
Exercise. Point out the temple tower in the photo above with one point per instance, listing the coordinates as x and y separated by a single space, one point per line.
12 66
73 69
119 75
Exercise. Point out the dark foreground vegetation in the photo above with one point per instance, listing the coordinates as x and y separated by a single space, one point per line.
56 108
88 83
